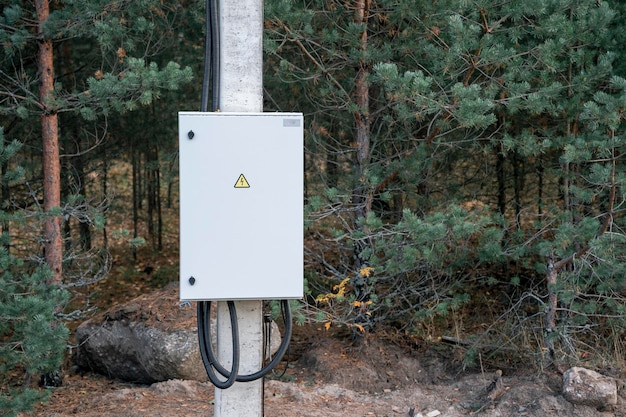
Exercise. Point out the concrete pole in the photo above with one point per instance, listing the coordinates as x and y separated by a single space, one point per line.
241 83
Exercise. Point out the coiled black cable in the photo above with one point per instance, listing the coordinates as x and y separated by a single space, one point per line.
208 355
206 348
284 345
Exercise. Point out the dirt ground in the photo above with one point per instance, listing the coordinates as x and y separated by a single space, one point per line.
333 377
328 375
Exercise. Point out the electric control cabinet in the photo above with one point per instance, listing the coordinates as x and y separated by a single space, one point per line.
241 205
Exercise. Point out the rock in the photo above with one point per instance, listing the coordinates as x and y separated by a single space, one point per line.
153 338
138 353
150 339
183 389
586 387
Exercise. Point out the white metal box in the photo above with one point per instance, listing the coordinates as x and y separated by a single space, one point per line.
241 205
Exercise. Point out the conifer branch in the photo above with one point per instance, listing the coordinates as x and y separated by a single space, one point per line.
315 62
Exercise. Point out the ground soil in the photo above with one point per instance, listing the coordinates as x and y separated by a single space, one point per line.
335 376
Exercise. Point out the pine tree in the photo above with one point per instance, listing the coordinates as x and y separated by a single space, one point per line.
376 155
539 80
100 56
61 82
496 138
32 342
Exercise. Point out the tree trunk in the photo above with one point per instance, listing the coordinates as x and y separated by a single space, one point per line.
150 180
551 308
362 196
140 176
5 195
540 171
153 189
500 175
518 185
84 227
136 197
105 179
158 200
50 144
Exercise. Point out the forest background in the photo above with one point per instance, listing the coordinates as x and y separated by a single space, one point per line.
464 166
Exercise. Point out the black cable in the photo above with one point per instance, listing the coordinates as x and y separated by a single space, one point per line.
211 75
206 347
208 58
215 53
284 345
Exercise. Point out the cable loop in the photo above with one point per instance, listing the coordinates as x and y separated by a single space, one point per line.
211 362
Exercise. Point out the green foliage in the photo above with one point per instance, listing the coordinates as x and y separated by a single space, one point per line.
275 309
111 58
32 341
118 68
512 109
164 275
416 269
429 256
139 84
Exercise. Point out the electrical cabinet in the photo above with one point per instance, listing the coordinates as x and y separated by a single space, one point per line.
241 205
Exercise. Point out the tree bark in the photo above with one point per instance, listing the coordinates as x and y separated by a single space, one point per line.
158 200
136 198
551 309
5 194
501 176
518 185
50 144
362 196
105 179
153 189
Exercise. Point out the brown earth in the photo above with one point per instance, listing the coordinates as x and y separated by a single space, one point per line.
333 376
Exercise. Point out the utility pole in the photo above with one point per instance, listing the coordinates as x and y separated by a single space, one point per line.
241 81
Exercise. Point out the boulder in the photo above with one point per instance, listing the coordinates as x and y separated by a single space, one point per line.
586 387
150 339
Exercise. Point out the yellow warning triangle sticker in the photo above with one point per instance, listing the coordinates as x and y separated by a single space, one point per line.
242 182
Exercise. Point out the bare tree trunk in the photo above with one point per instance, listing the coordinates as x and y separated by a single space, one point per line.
5 193
150 194
158 200
84 227
105 179
501 176
141 172
550 317
540 171
50 144
136 197
153 190
518 185
362 198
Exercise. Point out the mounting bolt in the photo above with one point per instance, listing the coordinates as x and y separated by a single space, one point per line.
192 280
190 134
